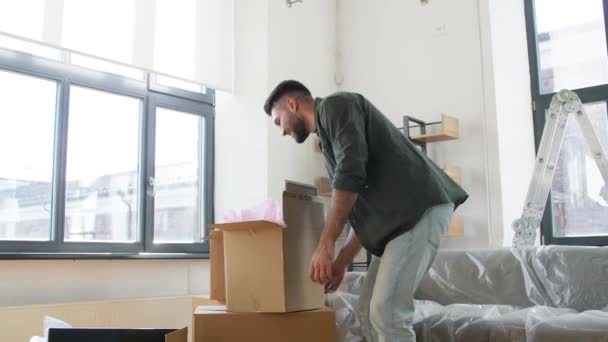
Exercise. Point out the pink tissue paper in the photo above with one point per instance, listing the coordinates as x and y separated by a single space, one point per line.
269 210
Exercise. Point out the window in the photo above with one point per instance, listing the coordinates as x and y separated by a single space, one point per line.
26 170
102 166
94 160
178 197
578 207
571 44
568 49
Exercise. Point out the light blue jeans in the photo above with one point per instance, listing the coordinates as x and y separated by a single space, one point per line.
387 296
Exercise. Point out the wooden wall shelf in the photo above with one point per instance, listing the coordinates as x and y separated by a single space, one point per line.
449 131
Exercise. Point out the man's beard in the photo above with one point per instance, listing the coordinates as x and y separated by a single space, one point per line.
299 132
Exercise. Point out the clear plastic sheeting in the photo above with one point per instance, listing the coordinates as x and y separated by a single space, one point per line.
353 282
348 325
588 326
470 322
345 302
456 322
554 276
536 294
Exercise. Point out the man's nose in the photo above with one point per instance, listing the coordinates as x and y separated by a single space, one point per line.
283 132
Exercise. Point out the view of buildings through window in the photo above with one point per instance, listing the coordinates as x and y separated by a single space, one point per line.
572 54
102 186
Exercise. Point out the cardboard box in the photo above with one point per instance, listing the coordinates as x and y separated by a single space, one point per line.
216 257
117 335
213 324
266 265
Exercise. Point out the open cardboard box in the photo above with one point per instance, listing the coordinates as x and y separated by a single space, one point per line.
266 265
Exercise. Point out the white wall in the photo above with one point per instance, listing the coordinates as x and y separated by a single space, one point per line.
468 59
514 110
241 130
64 281
302 45
509 113
423 61
495 215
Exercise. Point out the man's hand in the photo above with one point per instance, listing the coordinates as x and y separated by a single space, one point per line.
321 263
338 271
348 252
320 270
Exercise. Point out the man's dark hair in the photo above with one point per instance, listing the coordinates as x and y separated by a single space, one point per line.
285 87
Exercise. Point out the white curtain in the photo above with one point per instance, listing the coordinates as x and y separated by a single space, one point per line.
190 40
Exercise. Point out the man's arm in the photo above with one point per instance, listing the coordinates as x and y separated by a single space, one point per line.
344 123
350 249
321 265
346 256
341 205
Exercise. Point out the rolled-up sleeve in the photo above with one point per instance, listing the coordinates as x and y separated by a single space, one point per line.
345 126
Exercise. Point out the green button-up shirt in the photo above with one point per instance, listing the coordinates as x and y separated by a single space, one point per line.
365 153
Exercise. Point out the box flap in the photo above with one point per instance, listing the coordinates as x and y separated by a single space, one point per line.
303 211
216 268
304 218
245 225
300 188
180 335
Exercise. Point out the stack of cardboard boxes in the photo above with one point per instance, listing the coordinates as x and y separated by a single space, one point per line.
260 270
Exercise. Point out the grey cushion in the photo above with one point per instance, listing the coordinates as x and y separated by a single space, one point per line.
570 277
456 322
555 276
466 322
589 326
477 277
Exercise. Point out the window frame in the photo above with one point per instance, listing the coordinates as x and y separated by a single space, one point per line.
206 155
73 75
540 102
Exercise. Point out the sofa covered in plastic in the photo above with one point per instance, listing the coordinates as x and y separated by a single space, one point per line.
548 293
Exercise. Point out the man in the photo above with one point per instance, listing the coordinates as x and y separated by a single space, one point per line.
398 202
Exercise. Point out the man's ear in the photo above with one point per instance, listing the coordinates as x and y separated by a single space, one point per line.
292 104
